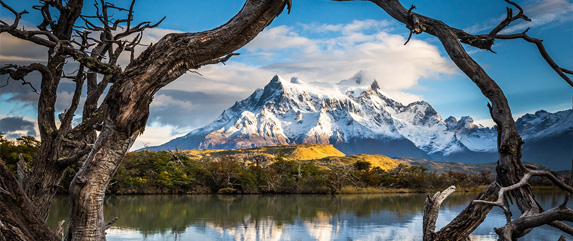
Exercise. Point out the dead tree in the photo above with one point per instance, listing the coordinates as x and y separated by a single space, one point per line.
95 47
512 175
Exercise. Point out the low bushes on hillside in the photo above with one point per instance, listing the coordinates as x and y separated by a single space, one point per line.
171 172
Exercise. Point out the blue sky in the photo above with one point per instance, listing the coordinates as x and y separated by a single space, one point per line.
325 41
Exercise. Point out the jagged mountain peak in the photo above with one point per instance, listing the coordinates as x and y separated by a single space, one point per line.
296 80
294 111
357 79
375 85
362 79
356 117
543 123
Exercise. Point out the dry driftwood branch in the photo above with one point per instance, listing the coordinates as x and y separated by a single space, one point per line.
79 79
519 227
413 24
110 223
508 20
219 60
126 106
431 210
80 56
524 181
60 229
22 170
522 225
485 41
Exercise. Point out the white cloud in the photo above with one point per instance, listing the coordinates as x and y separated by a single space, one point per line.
162 100
233 78
280 37
395 66
359 45
404 98
355 26
157 135
486 122
361 25
338 54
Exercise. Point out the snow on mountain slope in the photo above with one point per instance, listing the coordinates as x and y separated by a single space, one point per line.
356 116
543 123
287 112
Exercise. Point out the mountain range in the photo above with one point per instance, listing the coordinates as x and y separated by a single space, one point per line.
357 117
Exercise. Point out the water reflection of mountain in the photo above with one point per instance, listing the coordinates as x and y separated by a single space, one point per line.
276 217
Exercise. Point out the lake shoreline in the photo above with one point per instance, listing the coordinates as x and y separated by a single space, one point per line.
391 216
343 191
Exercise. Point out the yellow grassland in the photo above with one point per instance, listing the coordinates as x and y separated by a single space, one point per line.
381 161
325 155
300 152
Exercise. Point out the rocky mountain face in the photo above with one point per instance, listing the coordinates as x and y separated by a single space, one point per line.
548 138
356 117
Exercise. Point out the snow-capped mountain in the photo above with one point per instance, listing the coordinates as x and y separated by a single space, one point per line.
356 117
548 138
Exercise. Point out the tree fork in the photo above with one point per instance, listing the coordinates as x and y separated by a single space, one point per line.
126 106
509 169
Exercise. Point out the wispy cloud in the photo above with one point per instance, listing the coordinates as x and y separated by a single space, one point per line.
280 37
157 135
14 50
313 52
381 53
545 12
541 13
353 27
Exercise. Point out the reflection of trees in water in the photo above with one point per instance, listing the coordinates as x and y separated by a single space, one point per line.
174 213
58 211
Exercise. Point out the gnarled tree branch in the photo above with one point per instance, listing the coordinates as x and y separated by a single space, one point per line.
126 106
539 44
510 169
431 210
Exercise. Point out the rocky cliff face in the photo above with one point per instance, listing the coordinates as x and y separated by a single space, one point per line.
356 117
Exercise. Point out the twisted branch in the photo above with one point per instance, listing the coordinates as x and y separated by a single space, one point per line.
431 210
18 72
541 48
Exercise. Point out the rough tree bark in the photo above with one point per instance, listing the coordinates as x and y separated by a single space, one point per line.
124 112
123 115
510 170
41 184
18 219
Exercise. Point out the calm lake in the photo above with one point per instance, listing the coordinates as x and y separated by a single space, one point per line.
288 217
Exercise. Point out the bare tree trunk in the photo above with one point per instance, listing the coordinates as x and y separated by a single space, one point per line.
87 190
18 219
127 104
125 110
48 171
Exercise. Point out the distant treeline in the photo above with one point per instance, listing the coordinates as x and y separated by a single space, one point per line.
163 172
25 147
148 172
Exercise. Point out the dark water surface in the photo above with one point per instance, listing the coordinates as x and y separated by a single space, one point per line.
289 217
